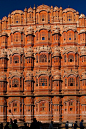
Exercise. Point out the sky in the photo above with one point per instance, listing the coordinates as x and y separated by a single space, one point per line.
7 6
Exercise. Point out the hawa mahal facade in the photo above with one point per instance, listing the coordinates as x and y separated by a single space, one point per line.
43 65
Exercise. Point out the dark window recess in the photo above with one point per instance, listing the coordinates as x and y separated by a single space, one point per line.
43 38
69 38
10 111
42 19
71 60
16 21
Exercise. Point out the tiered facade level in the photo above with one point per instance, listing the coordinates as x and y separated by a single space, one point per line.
43 65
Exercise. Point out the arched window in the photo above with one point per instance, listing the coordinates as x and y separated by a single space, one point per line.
42 81
43 58
43 17
71 82
16 59
16 38
15 83
69 17
70 58
17 19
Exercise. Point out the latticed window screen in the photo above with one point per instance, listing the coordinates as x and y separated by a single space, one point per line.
43 58
16 59
42 81
17 19
71 82
70 58
84 82
15 83
42 106
16 38
69 17
70 36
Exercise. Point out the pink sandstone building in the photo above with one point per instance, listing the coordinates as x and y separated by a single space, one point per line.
43 65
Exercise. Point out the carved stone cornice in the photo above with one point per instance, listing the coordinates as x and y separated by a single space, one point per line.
42 49
68 73
68 49
56 51
38 73
15 74
69 27
41 27
15 50
28 52
17 29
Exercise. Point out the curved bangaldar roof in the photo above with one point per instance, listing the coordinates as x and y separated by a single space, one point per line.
17 12
69 10
43 7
